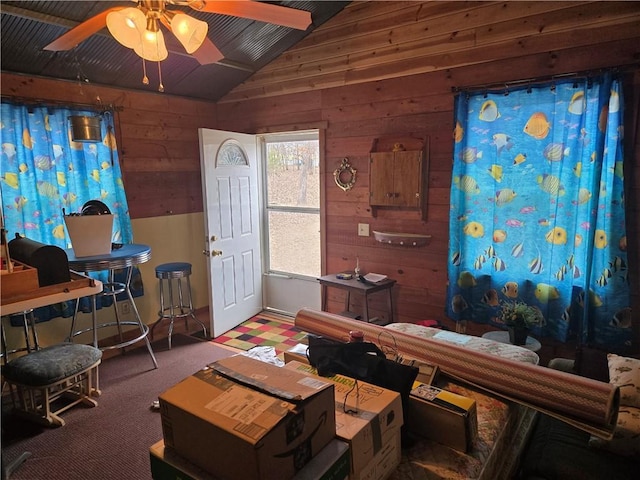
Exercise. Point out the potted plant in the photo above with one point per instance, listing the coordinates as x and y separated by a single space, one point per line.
519 318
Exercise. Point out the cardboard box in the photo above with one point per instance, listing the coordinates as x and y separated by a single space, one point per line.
384 462
369 418
443 416
297 354
243 418
427 373
332 463
90 234
166 464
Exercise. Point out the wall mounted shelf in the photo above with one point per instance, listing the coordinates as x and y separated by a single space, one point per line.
404 239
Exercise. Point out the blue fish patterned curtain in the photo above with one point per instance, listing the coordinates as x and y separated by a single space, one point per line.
537 209
44 171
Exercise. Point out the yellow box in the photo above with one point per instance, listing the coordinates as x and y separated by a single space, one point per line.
243 418
443 416
369 418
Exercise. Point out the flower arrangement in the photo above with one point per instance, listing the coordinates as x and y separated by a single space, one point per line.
519 314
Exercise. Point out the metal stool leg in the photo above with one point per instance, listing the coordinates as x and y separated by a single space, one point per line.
34 332
171 312
161 311
192 312
181 303
114 287
29 332
73 320
25 327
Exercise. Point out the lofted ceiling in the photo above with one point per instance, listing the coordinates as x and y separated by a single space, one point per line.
247 46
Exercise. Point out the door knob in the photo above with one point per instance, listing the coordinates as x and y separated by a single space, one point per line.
215 253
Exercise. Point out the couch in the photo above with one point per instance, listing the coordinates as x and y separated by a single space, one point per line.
557 450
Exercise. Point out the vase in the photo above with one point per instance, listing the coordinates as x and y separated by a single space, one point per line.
518 335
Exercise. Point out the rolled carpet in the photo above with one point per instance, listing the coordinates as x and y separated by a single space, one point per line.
588 404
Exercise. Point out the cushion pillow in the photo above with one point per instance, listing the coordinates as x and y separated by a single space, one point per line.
51 364
625 373
626 435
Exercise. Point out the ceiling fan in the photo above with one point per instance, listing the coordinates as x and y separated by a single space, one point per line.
138 27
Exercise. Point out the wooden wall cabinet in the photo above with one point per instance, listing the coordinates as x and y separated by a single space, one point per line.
397 179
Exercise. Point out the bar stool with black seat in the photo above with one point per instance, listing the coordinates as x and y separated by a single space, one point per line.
171 307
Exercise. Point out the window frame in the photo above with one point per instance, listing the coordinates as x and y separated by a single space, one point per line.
264 140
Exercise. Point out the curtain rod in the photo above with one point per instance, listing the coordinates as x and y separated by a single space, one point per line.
549 78
38 102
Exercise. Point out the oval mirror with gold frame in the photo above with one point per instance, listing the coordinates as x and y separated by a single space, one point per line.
345 175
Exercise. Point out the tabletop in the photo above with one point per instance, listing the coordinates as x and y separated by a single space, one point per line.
355 285
126 256
54 294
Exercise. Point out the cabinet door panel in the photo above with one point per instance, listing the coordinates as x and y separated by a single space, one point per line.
381 178
408 179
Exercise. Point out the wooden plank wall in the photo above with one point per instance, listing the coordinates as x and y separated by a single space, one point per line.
376 70
387 70
157 139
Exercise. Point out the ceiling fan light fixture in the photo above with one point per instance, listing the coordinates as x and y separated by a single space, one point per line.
126 26
152 46
190 31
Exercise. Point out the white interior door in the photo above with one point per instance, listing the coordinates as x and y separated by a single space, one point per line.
229 165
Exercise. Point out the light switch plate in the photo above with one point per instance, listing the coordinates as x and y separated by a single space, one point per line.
363 229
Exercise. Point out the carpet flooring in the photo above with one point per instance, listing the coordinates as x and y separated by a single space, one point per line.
112 440
264 330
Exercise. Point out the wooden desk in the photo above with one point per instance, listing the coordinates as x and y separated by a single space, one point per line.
357 287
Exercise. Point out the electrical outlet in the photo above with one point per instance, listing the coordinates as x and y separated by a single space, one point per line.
125 307
363 229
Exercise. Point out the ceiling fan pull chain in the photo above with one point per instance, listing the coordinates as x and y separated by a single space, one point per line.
161 86
145 79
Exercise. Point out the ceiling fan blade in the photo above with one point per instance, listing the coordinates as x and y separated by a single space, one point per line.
264 12
81 32
207 53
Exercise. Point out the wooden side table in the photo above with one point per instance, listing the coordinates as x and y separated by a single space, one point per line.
360 288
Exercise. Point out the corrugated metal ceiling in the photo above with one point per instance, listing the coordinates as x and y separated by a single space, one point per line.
247 45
